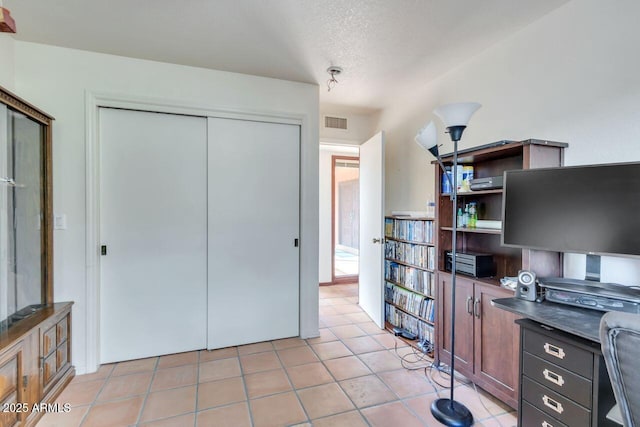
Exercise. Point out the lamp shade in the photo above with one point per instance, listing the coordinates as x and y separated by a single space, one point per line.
456 114
428 139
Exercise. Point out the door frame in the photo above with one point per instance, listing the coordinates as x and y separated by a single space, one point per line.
353 278
308 260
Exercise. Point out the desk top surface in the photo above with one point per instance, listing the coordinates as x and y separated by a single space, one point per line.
582 322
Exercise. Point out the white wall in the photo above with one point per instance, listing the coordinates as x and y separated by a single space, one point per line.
6 61
572 76
360 125
58 80
325 250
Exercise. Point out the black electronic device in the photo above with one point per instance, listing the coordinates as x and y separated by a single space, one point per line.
527 288
408 335
593 295
579 209
472 264
488 183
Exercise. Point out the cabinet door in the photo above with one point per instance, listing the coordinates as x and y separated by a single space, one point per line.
11 388
497 341
463 322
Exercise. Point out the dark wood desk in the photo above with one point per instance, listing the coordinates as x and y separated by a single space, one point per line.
577 321
563 377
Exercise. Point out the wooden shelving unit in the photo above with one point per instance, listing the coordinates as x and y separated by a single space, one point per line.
487 340
35 337
410 281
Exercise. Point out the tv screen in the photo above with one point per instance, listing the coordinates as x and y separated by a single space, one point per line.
581 209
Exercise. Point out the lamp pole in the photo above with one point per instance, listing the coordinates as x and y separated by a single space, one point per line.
455 117
448 411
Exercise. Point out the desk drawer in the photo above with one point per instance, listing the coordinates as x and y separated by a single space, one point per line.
566 383
554 404
559 352
533 417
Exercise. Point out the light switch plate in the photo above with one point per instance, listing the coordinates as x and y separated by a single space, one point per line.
60 221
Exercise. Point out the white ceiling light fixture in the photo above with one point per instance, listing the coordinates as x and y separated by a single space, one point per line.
332 82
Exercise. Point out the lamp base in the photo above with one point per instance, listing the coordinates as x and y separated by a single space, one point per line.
451 413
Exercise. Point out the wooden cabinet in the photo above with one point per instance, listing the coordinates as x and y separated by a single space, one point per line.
35 334
487 343
486 337
11 385
35 363
564 380
410 279
55 349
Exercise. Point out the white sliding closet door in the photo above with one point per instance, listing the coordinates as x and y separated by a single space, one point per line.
253 223
153 216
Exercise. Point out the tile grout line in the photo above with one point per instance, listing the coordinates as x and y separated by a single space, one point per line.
146 396
338 382
195 413
295 391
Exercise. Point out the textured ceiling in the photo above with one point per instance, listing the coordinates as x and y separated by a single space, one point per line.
386 47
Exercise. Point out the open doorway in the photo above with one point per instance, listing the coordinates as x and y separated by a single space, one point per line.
327 229
345 224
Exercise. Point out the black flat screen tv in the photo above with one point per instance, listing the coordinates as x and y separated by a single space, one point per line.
591 209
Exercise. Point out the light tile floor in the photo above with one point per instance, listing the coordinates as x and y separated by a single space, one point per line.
351 375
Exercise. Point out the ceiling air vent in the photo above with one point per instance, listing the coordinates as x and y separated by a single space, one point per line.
335 122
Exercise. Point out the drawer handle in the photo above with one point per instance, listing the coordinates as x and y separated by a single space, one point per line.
553 377
554 351
549 402
546 424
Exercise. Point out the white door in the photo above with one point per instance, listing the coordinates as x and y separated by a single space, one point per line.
371 290
153 222
253 225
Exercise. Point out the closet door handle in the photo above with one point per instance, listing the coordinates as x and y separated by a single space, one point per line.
469 305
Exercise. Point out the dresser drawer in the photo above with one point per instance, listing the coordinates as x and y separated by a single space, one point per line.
554 404
49 342
560 380
533 417
559 352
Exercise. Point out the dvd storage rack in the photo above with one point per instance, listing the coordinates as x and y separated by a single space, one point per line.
410 261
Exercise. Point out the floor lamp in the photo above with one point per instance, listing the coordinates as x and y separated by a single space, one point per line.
455 118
